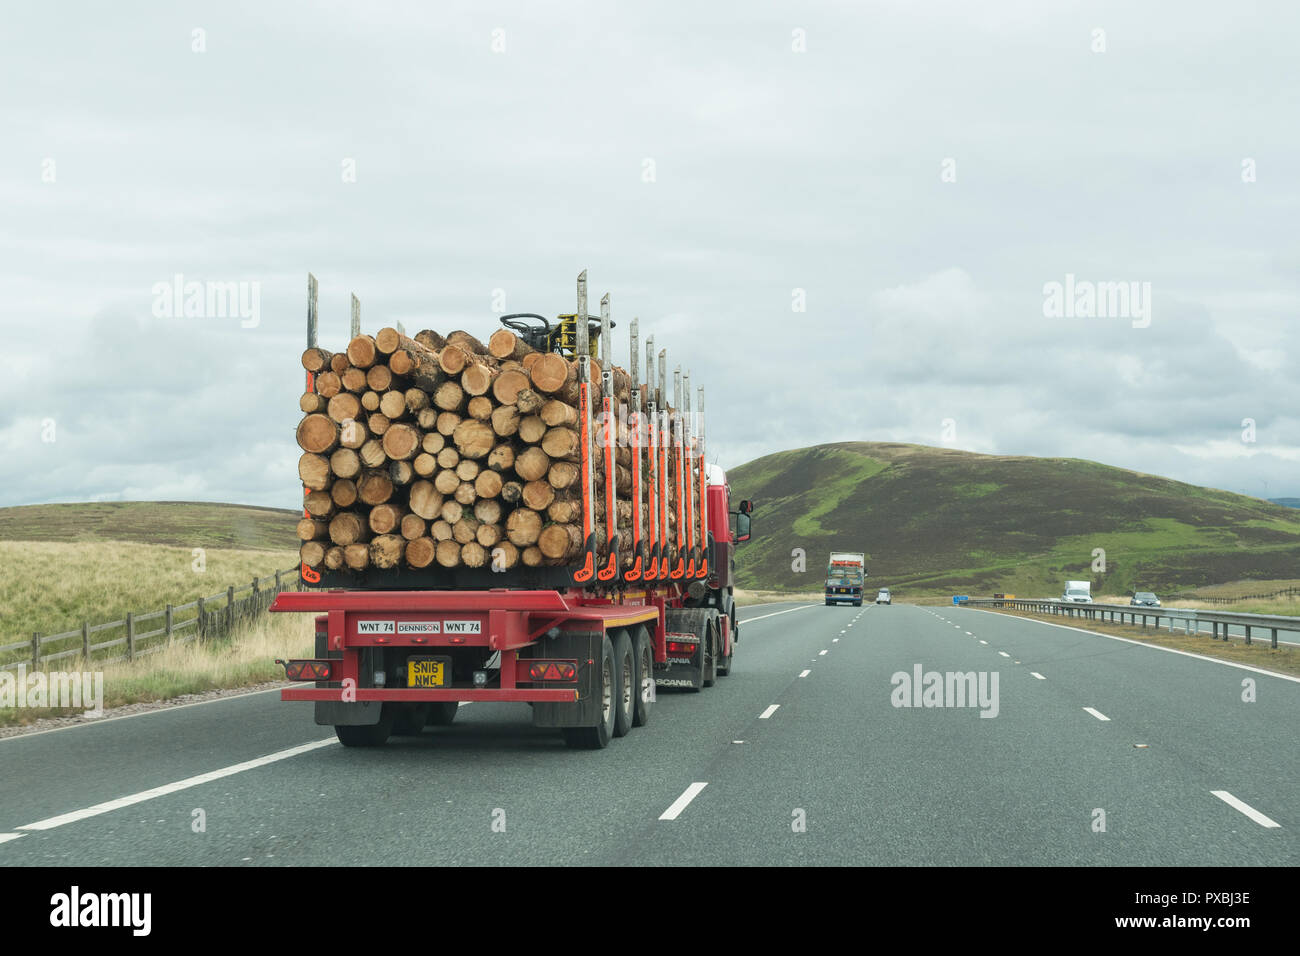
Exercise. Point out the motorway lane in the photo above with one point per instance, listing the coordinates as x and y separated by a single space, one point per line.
876 784
906 786
416 800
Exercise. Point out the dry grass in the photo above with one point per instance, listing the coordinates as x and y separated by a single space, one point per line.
245 659
745 597
51 587
1280 605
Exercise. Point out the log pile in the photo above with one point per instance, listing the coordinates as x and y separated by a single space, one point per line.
451 452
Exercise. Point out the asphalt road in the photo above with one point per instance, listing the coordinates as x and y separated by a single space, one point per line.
802 756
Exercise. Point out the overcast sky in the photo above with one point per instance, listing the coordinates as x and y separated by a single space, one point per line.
911 175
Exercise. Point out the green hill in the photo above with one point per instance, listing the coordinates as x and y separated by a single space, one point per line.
938 519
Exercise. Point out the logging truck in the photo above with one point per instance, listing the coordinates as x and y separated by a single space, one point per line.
520 521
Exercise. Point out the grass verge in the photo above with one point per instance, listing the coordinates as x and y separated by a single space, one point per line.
745 597
1284 660
245 659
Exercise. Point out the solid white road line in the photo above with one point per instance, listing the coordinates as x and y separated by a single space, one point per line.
1004 653
769 712
805 673
65 818
6 837
804 607
681 803
1038 675
1096 713
1245 808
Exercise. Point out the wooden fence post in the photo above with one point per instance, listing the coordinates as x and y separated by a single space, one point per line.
36 650
230 609
199 627
85 640
278 586
169 624
130 636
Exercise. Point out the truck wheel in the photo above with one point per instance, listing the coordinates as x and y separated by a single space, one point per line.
442 713
724 665
595 738
644 655
625 672
710 665
372 735
410 719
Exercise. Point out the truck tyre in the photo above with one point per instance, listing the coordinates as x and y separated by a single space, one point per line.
372 735
410 719
709 666
441 713
625 672
724 664
596 738
644 654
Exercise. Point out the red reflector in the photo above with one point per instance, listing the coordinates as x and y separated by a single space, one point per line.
552 670
293 670
680 647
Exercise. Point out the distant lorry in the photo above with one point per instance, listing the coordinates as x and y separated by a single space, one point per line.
846 575
1077 592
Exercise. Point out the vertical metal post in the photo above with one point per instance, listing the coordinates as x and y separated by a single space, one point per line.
650 369
606 349
311 311
635 349
356 317
661 396
582 344
1274 642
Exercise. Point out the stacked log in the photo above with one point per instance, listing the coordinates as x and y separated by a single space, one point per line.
445 451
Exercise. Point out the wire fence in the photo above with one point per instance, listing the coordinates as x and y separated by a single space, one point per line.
207 618
1290 592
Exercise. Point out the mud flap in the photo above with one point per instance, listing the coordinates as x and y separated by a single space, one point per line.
584 647
693 620
332 713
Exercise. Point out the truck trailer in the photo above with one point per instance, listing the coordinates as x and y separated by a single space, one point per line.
584 644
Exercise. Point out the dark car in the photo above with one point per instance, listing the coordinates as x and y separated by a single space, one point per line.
1144 599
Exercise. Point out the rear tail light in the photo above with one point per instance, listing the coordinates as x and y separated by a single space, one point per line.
682 647
552 670
307 670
